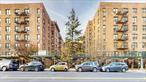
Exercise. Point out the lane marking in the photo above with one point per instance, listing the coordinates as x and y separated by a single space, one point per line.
67 78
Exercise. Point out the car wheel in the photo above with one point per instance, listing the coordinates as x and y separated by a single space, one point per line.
4 68
123 70
22 69
52 69
65 69
36 69
80 70
107 70
94 70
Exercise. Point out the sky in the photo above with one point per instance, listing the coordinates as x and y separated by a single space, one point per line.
58 10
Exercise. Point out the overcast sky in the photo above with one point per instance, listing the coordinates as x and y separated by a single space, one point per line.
58 10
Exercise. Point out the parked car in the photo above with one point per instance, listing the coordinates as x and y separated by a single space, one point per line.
115 67
60 66
6 65
32 66
87 66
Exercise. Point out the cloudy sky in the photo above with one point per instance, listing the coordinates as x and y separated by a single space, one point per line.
58 10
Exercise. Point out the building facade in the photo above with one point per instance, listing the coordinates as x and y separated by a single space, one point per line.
26 25
116 29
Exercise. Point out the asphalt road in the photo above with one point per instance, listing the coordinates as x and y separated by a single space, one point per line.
47 76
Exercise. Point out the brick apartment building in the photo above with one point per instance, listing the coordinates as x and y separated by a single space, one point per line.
26 24
116 29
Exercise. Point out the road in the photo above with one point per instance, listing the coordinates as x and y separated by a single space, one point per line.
47 76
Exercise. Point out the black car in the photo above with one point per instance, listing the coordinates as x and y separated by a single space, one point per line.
9 65
32 66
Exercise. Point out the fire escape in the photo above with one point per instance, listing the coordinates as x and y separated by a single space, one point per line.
121 31
22 22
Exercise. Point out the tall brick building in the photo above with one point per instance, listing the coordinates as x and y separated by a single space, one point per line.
117 29
26 24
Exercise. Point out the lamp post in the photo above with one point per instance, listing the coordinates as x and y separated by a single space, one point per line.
141 61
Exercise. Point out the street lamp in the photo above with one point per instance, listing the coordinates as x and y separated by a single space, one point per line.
141 60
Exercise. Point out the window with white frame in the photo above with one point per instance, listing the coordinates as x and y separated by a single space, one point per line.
115 10
8 29
16 37
8 20
144 28
26 28
134 19
143 10
26 11
26 37
7 45
8 12
134 27
38 11
144 19
38 20
17 10
7 37
134 10
16 28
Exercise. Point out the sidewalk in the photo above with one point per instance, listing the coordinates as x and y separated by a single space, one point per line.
137 70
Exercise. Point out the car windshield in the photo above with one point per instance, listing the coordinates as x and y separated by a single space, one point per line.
61 63
34 62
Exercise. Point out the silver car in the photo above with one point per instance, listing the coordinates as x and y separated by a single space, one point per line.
8 65
88 66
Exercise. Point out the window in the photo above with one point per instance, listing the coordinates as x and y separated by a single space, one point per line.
27 45
144 36
143 10
144 28
115 19
38 20
16 19
16 28
38 11
115 10
16 45
0 20
134 28
38 27
0 45
144 45
125 9
115 28
26 28
0 37
0 12
115 37
38 37
26 19
134 36
104 11
7 37
26 37
7 45
8 20
17 11
144 19
134 19
26 11
8 12
16 37
115 45
134 10
7 29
